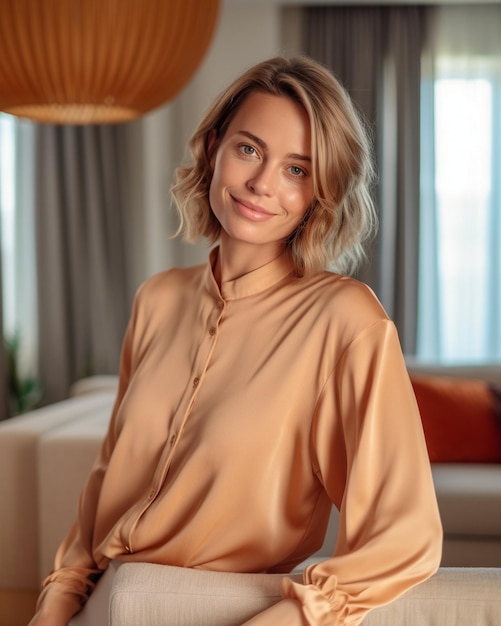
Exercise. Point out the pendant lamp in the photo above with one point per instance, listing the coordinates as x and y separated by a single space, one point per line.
98 61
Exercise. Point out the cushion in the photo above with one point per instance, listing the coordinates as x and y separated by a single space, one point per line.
460 418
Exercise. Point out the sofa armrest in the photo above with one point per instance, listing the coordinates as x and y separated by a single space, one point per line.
92 384
64 458
452 597
159 595
19 438
490 372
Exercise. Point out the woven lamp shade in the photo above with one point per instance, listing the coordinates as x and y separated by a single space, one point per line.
98 61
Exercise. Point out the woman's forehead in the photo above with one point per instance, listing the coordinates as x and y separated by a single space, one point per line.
270 118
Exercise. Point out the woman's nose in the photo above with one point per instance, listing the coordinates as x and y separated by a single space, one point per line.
263 181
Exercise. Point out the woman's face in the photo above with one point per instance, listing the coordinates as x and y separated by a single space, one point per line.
262 181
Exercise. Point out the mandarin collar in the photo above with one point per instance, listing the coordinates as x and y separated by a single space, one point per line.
252 283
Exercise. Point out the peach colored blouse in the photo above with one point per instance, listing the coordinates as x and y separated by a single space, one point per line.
242 414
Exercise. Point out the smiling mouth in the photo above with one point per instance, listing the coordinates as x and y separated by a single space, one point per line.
251 211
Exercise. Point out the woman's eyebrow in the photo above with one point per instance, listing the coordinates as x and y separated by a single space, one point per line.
262 144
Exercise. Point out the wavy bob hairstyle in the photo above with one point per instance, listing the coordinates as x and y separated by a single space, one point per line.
342 216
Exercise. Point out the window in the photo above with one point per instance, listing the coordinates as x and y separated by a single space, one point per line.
459 317
18 239
7 160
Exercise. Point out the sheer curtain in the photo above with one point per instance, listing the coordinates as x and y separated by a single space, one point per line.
17 245
376 53
4 387
82 218
460 232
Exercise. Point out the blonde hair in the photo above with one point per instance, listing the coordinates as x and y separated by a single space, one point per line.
342 215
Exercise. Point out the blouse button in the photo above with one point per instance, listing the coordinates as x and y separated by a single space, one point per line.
212 331
196 381
172 440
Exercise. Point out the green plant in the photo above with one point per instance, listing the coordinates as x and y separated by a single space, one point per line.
24 391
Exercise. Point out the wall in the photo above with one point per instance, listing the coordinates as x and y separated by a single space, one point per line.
246 34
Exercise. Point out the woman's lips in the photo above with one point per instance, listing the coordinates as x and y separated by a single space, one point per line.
252 211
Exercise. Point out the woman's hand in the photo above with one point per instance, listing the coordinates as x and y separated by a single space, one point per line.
284 613
47 620
54 611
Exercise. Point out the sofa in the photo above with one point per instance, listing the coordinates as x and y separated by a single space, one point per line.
159 595
156 595
46 454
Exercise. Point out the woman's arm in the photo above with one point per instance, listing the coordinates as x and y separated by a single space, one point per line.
55 610
67 588
367 427
284 613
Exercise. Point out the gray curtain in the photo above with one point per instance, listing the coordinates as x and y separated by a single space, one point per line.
81 224
376 52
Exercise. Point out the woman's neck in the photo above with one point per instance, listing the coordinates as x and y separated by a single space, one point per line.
237 258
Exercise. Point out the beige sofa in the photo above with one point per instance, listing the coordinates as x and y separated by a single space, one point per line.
165 596
45 456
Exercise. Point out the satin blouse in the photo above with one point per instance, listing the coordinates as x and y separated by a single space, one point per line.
243 413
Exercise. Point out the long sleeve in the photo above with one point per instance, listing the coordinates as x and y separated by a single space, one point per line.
75 573
390 532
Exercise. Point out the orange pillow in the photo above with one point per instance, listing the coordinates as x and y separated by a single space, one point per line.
460 419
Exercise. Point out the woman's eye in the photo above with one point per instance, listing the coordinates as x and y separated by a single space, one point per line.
297 171
248 150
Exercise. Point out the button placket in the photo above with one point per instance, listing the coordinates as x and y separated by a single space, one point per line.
215 318
163 468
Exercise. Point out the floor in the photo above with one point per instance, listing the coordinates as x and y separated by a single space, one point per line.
17 607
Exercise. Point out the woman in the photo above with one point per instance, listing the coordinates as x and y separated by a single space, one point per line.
257 391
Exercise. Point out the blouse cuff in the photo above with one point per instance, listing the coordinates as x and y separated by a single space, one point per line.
68 588
322 605
75 580
58 602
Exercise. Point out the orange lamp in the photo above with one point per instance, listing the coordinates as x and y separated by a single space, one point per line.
98 61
